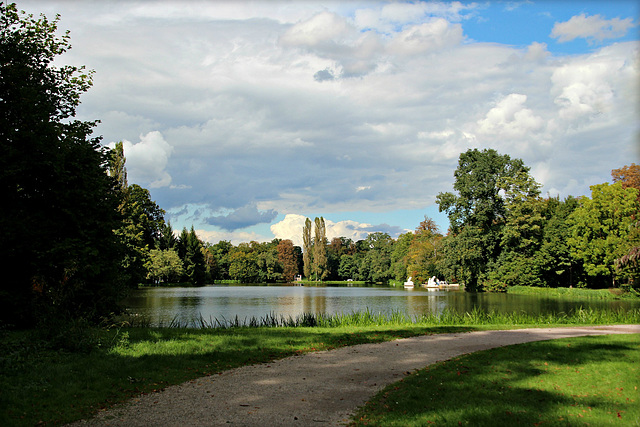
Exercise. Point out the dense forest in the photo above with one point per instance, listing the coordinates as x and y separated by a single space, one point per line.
76 236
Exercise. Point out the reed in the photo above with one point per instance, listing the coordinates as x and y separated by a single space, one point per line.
576 293
580 316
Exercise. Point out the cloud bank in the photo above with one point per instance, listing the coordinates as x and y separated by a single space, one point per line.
243 118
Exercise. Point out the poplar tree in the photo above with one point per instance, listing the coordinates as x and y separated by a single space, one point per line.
117 168
307 248
320 250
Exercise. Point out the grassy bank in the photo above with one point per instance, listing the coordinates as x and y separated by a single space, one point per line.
574 293
332 283
576 381
41 383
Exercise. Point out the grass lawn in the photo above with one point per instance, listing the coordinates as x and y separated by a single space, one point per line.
41 383
576 381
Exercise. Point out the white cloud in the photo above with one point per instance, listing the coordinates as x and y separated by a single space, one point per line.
235 237
290 228
387 18
537 52
591 27
332 37
510 118
147 160
323 29
353 230
292 225
419 39
587 88
246 109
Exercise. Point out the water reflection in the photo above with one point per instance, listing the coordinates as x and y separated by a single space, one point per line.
226 303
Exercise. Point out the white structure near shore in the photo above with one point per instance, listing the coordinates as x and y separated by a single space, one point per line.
408 284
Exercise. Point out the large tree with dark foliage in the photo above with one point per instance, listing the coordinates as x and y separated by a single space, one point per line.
58 249
478 212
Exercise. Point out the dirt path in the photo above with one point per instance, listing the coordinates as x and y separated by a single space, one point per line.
322 388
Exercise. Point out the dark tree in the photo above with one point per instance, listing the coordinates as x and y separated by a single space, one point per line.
60 206
191 250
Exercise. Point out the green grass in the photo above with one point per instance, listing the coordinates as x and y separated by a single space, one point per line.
38 382
574 293
576 381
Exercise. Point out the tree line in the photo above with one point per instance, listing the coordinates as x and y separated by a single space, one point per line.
76 236
502 233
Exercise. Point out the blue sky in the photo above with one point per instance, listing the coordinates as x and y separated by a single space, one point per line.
243 118
520 23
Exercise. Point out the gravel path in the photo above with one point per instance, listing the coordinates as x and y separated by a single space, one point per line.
322 388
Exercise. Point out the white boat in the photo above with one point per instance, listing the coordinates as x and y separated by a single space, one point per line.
408 284
432 284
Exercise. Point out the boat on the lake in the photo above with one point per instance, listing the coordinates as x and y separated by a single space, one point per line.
433 284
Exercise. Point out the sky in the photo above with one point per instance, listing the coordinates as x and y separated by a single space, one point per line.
244 118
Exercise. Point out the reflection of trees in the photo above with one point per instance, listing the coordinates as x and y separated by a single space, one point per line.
162 305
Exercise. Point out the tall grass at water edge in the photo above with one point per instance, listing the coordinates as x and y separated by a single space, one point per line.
576 293
446 318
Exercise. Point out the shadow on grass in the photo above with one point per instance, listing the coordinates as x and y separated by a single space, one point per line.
559 382
57 387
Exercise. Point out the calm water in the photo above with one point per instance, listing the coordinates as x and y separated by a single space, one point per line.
222 302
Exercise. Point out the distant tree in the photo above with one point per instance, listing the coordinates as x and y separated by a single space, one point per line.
349 267
307 245
464 255
190 249
59 211
428 224
319 261
288 257
378 241
270 268
141 227
164 266
478 212
600 230
628 265
375 266
399 256
166 239
422 255
117 168
243 266
479 180
628 176
554 260
521 235
220 253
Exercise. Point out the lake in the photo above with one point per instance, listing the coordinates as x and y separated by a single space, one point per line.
225 302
